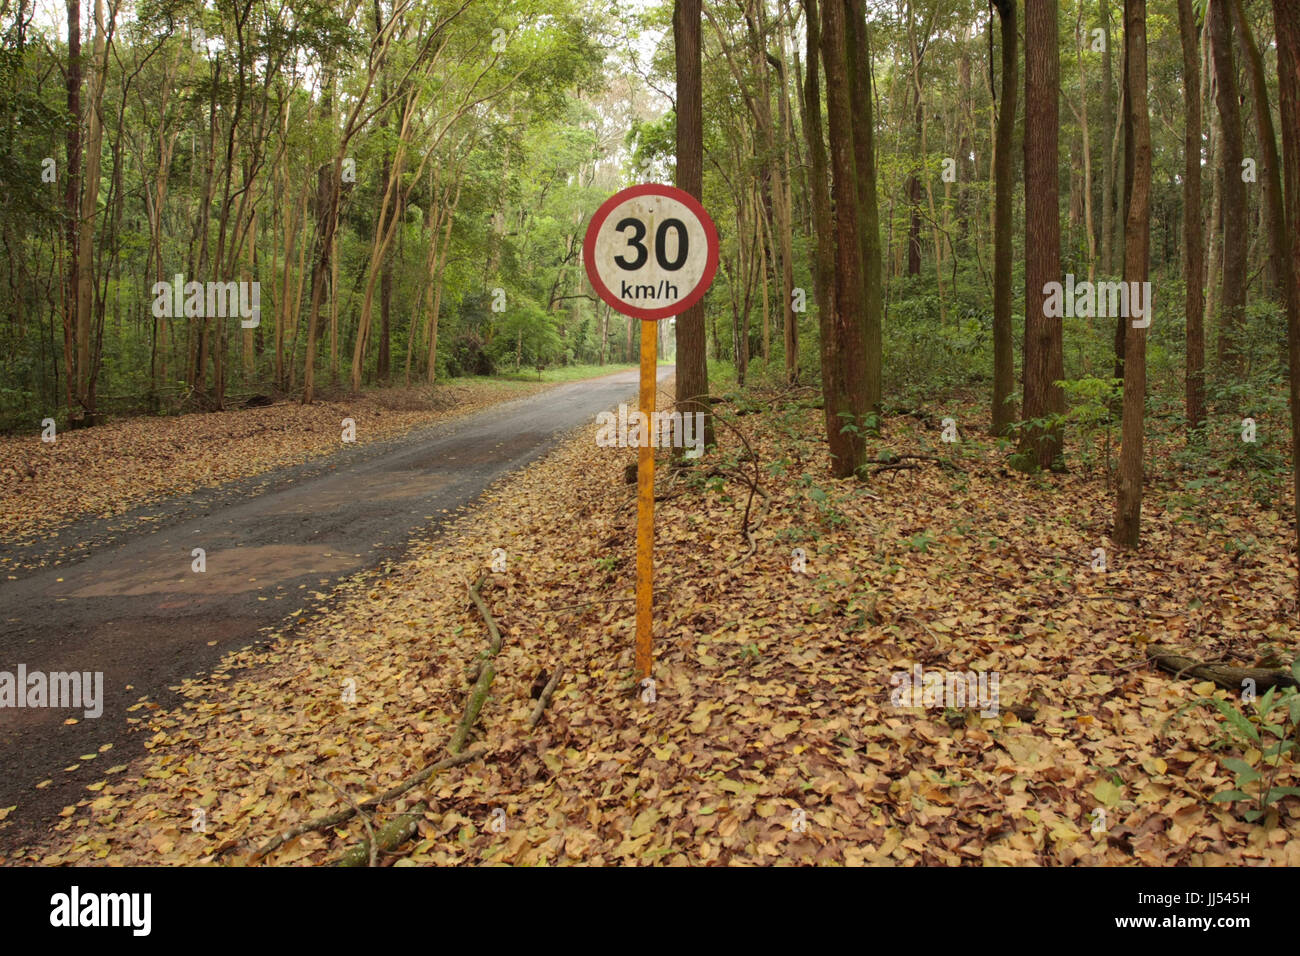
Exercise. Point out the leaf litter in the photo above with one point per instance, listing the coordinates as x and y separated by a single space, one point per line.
772 738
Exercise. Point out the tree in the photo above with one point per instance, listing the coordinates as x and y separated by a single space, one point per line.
1233 302
72 200
1040 444
1286 22
1193 244
862 129
835 398
1004 412
692 360
1108 121
847 401
1137 254
1270 171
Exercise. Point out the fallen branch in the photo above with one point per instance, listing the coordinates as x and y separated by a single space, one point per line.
545 699
482 673
892 462
392 835
494 633
342 816
357 811
477 698
1225 675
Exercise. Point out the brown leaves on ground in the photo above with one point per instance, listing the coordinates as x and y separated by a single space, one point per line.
105 470
772 738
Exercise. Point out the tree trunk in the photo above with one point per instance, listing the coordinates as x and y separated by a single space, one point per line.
1004 409
1286 21
1137 242
1213 222
823 227
72 202
692 362
435 281
1041 446
862 129
782 200
1232 308
1270 164
1107 123
1193 252
1125 124
86 226
845 417
1087 153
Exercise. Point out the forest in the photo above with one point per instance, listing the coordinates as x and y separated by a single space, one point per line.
1007 305
406 188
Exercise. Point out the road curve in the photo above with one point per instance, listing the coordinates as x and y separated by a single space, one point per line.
130 604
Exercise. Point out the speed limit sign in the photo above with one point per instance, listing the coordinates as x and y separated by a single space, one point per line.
651 251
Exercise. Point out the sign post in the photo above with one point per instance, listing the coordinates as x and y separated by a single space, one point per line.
650 252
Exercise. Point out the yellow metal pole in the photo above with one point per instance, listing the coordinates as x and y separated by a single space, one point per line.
645 504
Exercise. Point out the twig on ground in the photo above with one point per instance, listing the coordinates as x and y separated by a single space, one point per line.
547 692
357 811
342 816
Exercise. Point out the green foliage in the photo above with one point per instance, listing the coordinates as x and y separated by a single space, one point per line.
1268 741
1088 417
526 336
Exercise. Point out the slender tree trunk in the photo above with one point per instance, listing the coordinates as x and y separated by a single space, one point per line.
1118 147
835 398
1125 189
604 334
1087 152
846 419
858 62
823 225
692 362
1107 123
385 228
327 192
1270 164
247 274
292 223
1193 251
1213 225
1041 446
914 205
1137 238
72 204
764 234
1004 409
435 281
1286 21
89 215
334 308
782 200
1232 309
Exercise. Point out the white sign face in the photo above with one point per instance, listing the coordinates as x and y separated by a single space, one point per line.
651 251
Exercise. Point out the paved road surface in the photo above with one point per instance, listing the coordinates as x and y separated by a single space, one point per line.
128 603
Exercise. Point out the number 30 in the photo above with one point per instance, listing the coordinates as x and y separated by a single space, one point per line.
661 251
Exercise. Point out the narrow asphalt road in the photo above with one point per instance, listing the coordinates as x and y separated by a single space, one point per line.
129 604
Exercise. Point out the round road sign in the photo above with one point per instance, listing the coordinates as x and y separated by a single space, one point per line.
651 251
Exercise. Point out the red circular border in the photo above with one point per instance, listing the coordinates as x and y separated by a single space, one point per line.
710 262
